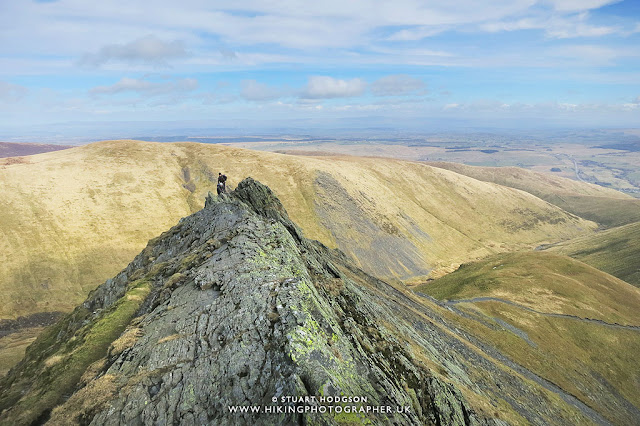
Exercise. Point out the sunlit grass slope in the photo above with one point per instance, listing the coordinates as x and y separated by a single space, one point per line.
615 251
543 281
70 219
595 362
602 205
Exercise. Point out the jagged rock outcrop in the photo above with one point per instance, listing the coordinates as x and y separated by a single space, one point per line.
233 307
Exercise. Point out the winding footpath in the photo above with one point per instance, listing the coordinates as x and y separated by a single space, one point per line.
548 314
490 350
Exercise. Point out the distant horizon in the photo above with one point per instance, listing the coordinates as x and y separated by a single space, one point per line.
84 133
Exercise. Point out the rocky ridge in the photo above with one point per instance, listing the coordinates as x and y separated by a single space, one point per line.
234 307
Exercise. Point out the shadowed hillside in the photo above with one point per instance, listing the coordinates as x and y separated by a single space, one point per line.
602 205
615 251
72 218
11 149
571 324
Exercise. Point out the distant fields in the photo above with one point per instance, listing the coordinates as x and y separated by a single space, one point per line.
605 206
610 159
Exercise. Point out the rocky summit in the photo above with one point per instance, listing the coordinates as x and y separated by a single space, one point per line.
233 317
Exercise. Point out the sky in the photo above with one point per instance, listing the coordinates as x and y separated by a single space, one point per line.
71 66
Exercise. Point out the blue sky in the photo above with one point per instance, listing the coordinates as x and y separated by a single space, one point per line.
500 63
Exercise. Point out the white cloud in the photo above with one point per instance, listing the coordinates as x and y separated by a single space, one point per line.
213 98
398 85
520 24
320 87
577 27
411 56
416 33
590 54
75 24
336 38
554 26
145 50
316 89
255 91
227 53
11 92
146 88
421 52
189 34
578 5
326 87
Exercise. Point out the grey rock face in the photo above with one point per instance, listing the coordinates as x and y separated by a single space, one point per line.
243 313
250 322
400 257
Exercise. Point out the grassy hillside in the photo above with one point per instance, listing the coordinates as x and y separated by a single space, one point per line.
13 346
70 219
541 310
615 251
138 345
602 205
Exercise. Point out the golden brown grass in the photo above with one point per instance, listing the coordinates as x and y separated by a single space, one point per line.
576 356
603 205
85 403
545 282
125 341
73 218
615 251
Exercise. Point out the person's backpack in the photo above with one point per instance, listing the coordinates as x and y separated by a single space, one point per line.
224 178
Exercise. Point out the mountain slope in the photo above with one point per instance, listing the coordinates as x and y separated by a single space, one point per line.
12 149
602 205
569 323
615 251
70 219
234 307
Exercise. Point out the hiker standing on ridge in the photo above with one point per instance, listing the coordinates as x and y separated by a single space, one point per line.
222 185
